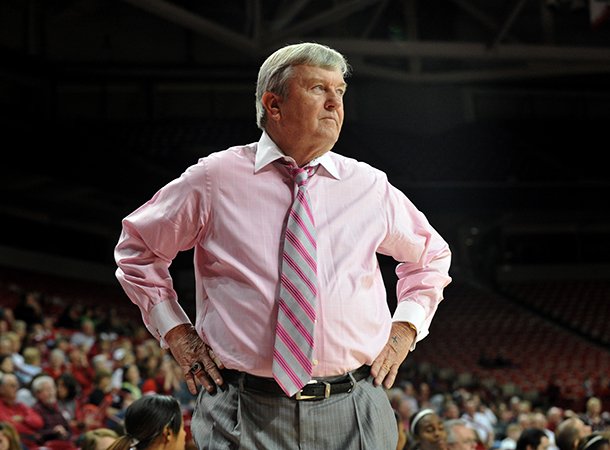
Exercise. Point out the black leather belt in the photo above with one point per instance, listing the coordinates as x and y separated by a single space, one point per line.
314 390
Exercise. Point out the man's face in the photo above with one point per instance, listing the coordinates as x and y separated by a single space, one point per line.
312 110
9 387
47 394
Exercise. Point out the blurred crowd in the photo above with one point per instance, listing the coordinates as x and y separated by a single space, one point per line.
65 375
480 429
434 413
69 371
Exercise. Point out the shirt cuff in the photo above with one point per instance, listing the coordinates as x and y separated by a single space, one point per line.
407 311
165 316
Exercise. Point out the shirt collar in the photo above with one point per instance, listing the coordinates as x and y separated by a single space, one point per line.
267 152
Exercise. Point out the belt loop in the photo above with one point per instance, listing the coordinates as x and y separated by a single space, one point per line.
241 381
353 381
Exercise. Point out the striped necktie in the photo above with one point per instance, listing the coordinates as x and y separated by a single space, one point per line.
292 355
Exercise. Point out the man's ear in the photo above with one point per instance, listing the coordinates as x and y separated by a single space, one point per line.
271 103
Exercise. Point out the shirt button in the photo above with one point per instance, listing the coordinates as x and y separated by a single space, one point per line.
315 362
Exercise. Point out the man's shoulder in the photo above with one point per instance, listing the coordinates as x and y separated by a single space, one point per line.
219 160
347 165
231 155
234 152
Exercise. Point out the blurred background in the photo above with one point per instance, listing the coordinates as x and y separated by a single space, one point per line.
491 115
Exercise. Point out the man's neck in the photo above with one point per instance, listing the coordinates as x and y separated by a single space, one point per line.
302 154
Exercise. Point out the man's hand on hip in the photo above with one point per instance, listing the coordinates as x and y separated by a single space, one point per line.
196 359
385 367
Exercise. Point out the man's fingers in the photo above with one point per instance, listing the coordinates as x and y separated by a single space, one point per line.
388 382
212 371
206 382
215 358
190 383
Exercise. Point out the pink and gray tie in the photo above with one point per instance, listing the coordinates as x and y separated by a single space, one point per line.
292 354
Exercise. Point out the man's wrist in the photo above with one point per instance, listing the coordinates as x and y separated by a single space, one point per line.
411 326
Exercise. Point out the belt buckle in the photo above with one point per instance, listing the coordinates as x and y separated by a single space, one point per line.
299 395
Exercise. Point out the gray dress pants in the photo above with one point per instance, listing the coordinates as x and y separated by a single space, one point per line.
235 418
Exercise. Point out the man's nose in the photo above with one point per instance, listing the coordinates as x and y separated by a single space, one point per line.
333 100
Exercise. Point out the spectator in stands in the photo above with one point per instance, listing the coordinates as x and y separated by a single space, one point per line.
402 431
102 388
532 439
55 426
115 413
554 416
26 421
167 379
80 368
29 309
427 431
9 438
6 320
403 406
20 327
153 422
478 418
98 439
593 415
539 420
10 343
132 380
56 363
595 441
85 338
450 410
32 364
71 316
570 432
67 392
513 431
6 363
460 435
300 110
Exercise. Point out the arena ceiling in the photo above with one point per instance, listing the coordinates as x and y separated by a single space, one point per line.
50 48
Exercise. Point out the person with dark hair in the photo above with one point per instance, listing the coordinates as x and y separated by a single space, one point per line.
533 439
29 309
595 441
152 422
68 391
292 314
427 431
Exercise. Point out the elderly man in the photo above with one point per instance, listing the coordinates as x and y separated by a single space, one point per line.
292 319
55 427
26 420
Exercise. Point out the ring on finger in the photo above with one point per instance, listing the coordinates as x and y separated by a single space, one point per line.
196 367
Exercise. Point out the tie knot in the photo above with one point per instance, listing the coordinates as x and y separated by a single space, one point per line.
301 174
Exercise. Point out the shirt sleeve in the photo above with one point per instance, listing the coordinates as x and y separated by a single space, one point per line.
424 259
151 237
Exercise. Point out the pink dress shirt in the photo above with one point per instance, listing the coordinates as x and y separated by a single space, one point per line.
231 207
